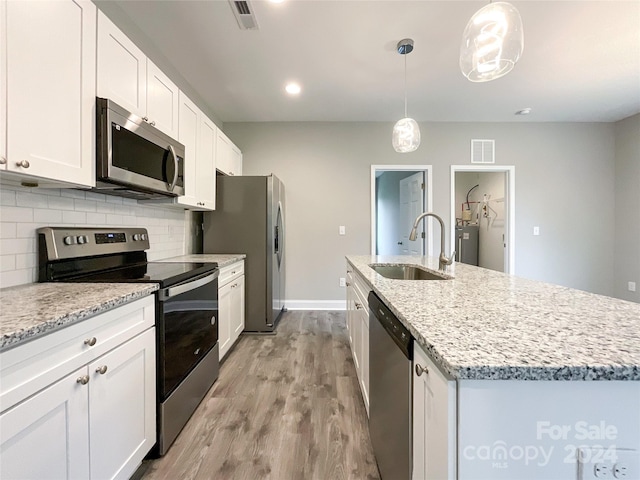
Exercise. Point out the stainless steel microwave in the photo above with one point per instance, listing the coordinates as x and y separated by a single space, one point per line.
133 158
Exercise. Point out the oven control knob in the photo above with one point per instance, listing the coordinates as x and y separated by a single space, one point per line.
69 240
144 236
82 239
136 237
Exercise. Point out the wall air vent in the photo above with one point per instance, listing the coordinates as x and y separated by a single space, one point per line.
244 14
483 151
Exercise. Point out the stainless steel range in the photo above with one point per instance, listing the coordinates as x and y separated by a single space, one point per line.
186 309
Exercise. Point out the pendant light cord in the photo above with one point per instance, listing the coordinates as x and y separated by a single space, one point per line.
405 84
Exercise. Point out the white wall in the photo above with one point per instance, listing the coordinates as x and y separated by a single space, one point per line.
326 168
627 220
23 210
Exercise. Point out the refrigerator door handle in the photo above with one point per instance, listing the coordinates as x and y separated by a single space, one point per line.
279 233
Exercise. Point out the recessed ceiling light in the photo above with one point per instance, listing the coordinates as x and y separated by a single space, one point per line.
524 111
293 88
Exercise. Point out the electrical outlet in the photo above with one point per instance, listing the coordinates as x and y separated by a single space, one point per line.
536 230
612 463
342 230
631 286
602 470
343 282
621 470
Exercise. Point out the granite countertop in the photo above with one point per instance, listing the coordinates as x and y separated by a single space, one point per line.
488 325
222 259
29 311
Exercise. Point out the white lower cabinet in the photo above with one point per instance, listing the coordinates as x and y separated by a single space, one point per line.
96 421
434 420
231 309
358 327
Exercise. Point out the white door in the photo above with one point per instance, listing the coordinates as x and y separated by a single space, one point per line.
49 56
412 195
47 436
122 400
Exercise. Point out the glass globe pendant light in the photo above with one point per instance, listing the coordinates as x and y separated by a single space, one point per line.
406 133
492 42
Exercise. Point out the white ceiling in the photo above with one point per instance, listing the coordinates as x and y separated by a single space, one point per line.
581 59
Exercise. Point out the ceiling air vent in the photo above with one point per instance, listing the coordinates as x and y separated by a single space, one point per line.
483 151
244 14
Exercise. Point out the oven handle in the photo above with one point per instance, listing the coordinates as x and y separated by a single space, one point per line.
167 293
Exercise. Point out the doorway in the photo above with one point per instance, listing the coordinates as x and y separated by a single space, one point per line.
399 193
482 214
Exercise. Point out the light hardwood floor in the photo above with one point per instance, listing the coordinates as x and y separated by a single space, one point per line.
285 407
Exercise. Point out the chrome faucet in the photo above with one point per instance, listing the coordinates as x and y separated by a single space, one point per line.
443 260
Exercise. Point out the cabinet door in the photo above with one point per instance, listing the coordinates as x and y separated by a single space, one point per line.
122 405
206 166
188 118
47 435
122 68
236 160
49 57
162 101
224 319
237 308
364 358
434 420
223 154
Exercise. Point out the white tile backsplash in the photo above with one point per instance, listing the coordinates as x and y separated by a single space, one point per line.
23 210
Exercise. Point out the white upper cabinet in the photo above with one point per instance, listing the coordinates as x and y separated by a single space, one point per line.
162 100
188 135
47 90
129 78
122 68
228 156
206 166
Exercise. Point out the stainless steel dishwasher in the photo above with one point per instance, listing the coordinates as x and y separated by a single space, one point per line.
390 377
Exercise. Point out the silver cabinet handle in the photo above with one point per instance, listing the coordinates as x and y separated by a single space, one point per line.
91 341
348 284
153 123
358 306
83 380
101 370
23 164
146 119
175 164
420 369
3 161
399 243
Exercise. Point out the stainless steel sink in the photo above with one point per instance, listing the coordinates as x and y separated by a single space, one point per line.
406 272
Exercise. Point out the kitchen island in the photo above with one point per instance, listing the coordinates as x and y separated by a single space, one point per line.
528 379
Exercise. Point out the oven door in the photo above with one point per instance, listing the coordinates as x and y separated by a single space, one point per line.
187 328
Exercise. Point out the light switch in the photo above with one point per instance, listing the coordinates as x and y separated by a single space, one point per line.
342 230
631 286
536 230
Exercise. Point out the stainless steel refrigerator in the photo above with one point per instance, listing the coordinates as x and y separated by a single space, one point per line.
467 239
249 219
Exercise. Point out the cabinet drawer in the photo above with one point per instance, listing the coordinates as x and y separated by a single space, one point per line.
230 272
28 368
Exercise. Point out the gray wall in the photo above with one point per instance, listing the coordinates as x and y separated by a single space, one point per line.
627 219
326 168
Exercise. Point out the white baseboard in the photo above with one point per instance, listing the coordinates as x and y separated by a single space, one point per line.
316 304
